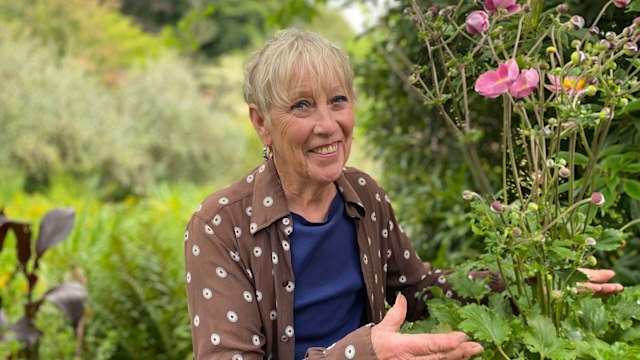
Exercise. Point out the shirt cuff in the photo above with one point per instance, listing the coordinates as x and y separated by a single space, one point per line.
356 345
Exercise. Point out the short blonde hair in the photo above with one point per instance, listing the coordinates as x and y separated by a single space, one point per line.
288 55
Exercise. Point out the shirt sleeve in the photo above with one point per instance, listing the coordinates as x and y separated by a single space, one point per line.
225 321
356 345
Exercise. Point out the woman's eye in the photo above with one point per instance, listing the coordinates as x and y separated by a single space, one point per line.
301 105
339 100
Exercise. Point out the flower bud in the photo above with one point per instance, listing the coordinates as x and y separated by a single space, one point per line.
576 43
578 57
610 35
540 238
589 241
433 10
603 45
594 30
497 207
636 21
562 8
576 22
532 207
407 11
551 50
526 7
630 48
517 231
552 121
597 198
592 260
556 294
627 32
467 194
604 113
551 163
564 172
621 3
477 22
590 90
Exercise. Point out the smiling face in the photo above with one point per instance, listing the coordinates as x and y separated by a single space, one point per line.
311 134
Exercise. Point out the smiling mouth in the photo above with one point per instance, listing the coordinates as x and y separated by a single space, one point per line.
327 149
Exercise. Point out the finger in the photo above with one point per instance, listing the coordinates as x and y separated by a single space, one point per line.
422 344
395 316
589 287
465 351
598 275
610 289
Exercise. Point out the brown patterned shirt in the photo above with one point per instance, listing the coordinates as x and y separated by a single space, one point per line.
240 282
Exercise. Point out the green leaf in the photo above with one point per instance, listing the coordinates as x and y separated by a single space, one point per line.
541 338
468 288
632 188
484 324
632 168
610 239
445 312
632 105
592 315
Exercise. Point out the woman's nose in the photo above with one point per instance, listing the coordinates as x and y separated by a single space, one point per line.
326 123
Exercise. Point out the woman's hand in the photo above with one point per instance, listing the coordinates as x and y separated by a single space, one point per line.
389 344
598 282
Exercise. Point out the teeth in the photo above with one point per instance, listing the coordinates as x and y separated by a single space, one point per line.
326 149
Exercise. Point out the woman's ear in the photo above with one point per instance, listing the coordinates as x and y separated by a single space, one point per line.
260 124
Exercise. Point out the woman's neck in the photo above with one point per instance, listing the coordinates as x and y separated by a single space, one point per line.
312 203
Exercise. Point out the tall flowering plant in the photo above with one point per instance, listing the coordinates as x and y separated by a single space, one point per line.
560 85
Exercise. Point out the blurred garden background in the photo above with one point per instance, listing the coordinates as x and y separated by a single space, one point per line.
130 112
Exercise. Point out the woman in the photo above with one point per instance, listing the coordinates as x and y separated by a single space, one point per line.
298 258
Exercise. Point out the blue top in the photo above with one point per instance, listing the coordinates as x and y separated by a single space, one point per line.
329 298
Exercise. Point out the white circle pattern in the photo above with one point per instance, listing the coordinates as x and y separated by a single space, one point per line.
373 216
268 201
258 295
250 178
388 253
385 233
273 315
195 250
257 251
365 259
237 231
362 181
290 286
261 169
350 352
196 321
206 293
186 235
255 339
285 245
286 221
288 331
188 278
442 279
248 210
232 316
236 357
253 227
223 201
402 279
221 272
247 296
274 258
208 229
217 220
215 339
407 254
235 255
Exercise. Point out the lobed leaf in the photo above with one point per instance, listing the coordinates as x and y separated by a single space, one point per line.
632 188
541 338
484 324
610 239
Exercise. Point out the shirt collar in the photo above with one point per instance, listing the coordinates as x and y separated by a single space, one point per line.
270 205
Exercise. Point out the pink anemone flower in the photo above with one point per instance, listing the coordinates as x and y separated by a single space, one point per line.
571 84
525 84
477 22
493 6
494 83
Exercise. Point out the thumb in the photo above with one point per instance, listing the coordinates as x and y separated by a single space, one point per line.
395 316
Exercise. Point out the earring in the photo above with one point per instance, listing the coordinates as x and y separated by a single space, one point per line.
267 152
